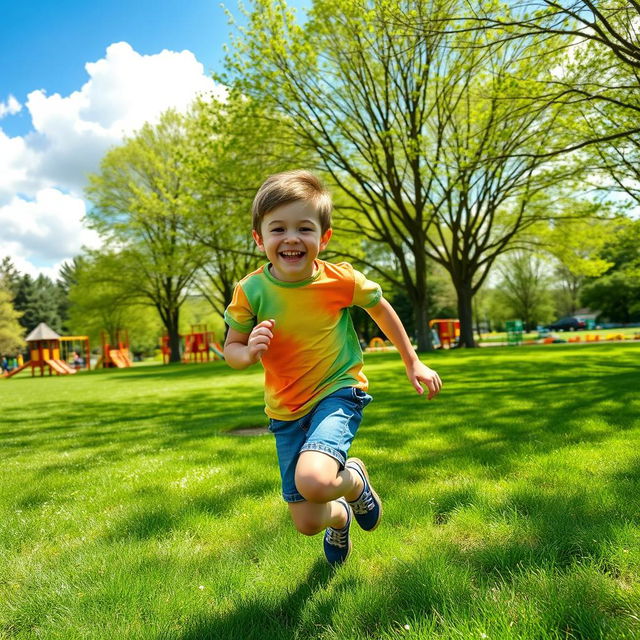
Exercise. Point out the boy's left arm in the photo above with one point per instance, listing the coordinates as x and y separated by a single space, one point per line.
387 319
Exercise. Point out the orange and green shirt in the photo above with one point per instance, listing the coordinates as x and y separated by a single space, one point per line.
315 350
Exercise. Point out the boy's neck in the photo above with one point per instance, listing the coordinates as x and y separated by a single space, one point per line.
314 271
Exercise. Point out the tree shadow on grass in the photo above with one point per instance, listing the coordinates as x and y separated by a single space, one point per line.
157 516
146 425
562 564
483 424
259 617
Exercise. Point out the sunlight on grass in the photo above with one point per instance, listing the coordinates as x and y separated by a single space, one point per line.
128 510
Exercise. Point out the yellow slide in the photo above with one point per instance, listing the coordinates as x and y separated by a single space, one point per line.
119 358
58 367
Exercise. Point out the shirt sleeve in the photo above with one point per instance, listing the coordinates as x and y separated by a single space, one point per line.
366 292
238 315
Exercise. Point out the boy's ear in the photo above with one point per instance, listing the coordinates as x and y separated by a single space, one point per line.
324 240
258 239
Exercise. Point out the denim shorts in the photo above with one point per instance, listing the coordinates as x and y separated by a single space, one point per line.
329 427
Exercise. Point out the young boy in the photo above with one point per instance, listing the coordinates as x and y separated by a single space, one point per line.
292 314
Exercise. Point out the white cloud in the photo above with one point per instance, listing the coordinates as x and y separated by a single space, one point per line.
10 107
18 167
43 174
45 231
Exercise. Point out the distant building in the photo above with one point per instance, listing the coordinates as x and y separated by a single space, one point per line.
587 316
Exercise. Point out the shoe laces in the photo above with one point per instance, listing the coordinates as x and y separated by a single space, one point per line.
363 504
338 537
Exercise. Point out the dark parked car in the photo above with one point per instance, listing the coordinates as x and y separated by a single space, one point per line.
570 323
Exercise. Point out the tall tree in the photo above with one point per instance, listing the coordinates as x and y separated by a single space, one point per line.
357 99
525 287
434 142
140 205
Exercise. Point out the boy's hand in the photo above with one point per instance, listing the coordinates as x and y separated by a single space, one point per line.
418 372
259 340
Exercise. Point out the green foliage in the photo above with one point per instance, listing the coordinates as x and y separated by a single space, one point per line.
617 293
39 300
231 147
622 247
524 289
435 143
141 206
9 275
11 332
101 299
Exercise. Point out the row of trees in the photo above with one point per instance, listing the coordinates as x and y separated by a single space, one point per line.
450 133
595 265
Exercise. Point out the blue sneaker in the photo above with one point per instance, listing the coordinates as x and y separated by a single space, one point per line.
368 507
337 543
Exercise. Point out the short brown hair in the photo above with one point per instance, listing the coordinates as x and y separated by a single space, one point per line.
291 186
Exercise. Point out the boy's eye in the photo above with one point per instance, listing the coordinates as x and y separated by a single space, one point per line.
277 230
306 229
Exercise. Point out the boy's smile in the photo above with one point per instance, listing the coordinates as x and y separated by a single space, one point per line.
291 236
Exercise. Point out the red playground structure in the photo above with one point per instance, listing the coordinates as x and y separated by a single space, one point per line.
115 355
198 346
448 330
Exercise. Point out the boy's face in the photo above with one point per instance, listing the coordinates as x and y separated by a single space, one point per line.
291 236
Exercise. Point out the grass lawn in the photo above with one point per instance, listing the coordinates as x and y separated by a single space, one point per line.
512 505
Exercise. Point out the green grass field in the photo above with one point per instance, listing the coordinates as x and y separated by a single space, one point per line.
512 502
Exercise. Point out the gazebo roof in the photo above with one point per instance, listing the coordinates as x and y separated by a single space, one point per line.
42 332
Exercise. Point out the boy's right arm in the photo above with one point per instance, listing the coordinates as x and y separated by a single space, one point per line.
241 350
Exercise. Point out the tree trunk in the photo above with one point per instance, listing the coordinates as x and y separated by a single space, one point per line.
419 300
465 315
174 335
423 332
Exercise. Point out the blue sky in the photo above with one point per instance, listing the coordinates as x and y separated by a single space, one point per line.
45 44
75 78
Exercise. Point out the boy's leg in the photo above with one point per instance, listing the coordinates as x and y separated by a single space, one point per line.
334 517
310 518
319 479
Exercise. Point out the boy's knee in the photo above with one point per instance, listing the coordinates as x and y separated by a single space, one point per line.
314 488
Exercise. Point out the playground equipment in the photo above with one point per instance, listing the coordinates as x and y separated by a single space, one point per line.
68 347
514 332
447 330
114 355
378 344
198 346
44 344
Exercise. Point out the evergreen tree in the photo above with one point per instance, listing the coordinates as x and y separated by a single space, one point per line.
38 301
9 275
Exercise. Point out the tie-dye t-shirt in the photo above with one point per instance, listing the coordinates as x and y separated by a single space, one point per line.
315 350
